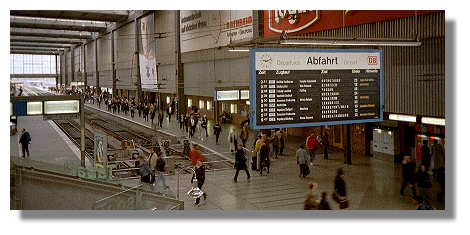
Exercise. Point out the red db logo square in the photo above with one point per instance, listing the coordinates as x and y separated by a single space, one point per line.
372 60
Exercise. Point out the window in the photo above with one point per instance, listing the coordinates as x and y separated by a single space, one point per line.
190 102
233 108
224 107
168 100
209 105
32 64
201 104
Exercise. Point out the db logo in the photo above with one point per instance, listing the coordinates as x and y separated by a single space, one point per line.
372 60
291 20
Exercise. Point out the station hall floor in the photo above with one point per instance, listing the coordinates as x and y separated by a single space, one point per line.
372 184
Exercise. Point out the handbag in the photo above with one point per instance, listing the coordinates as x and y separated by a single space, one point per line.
343 204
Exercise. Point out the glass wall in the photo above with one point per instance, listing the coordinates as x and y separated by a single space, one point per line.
32 64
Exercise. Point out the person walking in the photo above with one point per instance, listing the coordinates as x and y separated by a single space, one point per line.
423 182
181 121
426 155
325 142
200 175
264 156
231 138
139 109
244 135
204 124
160 119
25 140
160 169
132 108
302 160
311 198
312 144
193 124
152 113
275 143
217 129
186 123
339 194
256 159
324 204
144 169
152 159
280 135
240 162
408 173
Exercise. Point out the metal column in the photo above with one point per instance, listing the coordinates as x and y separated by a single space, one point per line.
113 62
72 63
347 143
137 59
82 131
57 73
179 67
97 74
85 79
65 68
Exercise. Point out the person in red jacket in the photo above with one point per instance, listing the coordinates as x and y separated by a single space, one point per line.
195 155
312 145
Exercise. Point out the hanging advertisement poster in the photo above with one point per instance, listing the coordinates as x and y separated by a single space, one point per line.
209 29
148 75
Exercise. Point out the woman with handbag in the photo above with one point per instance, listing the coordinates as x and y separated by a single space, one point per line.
339 195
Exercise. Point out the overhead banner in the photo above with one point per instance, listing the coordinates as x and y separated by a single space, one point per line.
147 62
312 87
209 29
307 21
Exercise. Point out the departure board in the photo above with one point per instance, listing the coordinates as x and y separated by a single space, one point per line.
311 87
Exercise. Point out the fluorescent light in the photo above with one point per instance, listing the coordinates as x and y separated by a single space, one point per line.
350 43
433 121
238 50
400 117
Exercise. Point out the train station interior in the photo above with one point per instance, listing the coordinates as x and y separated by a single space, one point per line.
164 112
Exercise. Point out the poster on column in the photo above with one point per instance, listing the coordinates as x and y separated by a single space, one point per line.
210 29
147 62
314 87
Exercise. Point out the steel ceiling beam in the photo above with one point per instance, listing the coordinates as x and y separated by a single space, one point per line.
35 49
41 45
57 24
46 40
33 52
110 16
50 33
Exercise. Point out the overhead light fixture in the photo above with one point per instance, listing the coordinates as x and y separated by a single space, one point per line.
400 117
239 49
433 121
351 43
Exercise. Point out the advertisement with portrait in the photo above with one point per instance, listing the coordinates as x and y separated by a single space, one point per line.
295 22
147 62
209 29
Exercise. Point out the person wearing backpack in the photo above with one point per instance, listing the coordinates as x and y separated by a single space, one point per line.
240 162
160 169
25 140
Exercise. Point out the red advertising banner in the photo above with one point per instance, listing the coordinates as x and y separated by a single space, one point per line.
306 21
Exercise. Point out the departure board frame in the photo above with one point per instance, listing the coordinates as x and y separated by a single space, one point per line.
328 61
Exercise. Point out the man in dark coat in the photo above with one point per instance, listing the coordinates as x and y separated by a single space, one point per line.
408 172
240 162
217 129
201 177
264 157
426 154
25 139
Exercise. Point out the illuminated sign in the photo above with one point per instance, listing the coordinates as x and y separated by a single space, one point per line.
312 87
60 107
403 118
244 94
228 95
433 121
34 108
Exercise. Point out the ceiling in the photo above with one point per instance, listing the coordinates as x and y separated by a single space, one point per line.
51 31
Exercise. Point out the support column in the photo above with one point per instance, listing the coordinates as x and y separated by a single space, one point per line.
72 63
347 143
85 75
97 74
82 131
137 41
66 71
179 67
57 72
113 62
